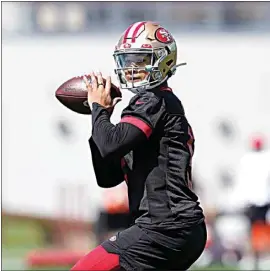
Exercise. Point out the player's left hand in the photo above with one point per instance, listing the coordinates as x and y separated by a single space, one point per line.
100 93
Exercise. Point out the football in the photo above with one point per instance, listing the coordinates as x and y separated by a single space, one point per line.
73 94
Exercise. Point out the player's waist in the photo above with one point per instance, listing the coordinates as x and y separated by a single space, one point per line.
170 223
174 234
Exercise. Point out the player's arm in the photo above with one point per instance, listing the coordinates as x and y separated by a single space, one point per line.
108 171
137 124
113 140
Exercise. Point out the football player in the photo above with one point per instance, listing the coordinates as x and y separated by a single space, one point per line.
151 149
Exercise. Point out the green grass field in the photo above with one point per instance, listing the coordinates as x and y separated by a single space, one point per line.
15 260
20 237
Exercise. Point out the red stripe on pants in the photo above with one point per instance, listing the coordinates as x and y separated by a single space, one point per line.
99 260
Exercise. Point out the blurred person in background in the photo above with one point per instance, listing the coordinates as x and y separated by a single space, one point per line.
151 149
252 195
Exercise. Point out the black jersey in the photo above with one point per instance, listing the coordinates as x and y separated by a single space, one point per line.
151 148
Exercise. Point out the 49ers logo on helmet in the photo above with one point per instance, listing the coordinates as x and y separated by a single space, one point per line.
162 35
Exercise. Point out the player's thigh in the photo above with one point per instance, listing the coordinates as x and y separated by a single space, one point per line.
99 260
135 249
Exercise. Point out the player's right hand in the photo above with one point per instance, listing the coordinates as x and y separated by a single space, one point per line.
100 93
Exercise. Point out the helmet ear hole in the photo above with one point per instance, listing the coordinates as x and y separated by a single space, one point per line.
169 62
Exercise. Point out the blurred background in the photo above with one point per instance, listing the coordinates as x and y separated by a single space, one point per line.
52 210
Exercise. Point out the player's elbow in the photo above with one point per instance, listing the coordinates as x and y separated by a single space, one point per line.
104 185
107 183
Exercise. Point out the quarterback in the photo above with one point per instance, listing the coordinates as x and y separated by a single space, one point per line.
151 149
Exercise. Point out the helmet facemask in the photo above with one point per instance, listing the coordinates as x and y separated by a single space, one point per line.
138 69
